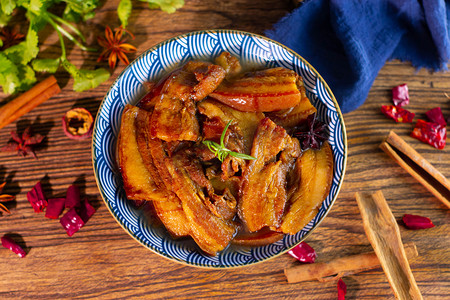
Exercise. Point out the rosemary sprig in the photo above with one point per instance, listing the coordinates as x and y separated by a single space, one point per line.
221 152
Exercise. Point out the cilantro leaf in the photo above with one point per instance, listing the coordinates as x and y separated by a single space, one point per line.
49 65
8 6
89 79
9 78
124 11
25 51
169 6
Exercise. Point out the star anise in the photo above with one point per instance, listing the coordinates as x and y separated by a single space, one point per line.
312 134
23 144
114 47
4 198
10 37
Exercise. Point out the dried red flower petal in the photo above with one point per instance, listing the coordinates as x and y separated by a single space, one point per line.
417 222
73 198
435 115
10 244
398 114
23 144
86 210
400 95
71 222
55 207
304 253
430 133
36 198
78 123
342 289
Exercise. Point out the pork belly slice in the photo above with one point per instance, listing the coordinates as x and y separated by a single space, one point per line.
169 211
263 191
174 112
211 232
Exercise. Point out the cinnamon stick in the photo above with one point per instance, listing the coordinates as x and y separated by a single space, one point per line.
340 267
28 100
383 233
417 166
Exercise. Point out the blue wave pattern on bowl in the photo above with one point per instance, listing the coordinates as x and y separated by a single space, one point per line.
252 50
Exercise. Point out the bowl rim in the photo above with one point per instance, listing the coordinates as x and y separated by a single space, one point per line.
226 31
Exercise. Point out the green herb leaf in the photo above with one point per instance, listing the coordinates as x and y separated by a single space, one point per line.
89 79
124 11
169 6
8 6
48 65
220 151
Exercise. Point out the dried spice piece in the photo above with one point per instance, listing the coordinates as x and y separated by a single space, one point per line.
398 114
10 244
313 134
86 210
400 95
23 144
435 115
77 123
5 198
71 221
417 222
303 253
430 133
10 37
36 198
55 207
114 47
73 198
342 289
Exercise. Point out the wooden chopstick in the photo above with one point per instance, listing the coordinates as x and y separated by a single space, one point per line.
410 160
383 233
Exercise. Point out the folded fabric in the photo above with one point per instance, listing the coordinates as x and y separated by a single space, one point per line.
349 41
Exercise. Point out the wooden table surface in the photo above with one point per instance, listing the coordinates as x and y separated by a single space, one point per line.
103 261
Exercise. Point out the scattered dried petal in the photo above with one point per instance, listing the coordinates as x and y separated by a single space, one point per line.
36 198
398 114
430 133
23 144
417 222
55 207
400 95
304 253
73 198
10 244
71 222
342 289
435 115
313 135
78 123
86 210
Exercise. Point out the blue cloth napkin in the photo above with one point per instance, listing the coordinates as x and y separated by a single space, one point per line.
349 41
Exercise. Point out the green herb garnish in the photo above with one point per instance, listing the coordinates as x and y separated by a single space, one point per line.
221 152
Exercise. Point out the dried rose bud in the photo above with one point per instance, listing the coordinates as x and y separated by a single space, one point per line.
398 114
304 253
342 289
77 123
10 244
400 95
417 222
435 115
430 133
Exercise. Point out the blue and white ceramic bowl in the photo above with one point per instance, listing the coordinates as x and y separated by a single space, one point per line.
128 88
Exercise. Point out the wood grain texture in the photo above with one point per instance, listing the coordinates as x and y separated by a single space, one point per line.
102 261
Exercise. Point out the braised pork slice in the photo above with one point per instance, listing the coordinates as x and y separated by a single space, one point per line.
263 191
173 118
169 211
211 232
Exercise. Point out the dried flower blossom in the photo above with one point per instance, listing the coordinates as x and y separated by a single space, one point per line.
398 114
114 47
435 115
23 144
10 37
36 198
10 244
430 133
342 289
417 222
400 95
313 135
5 198
303 253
